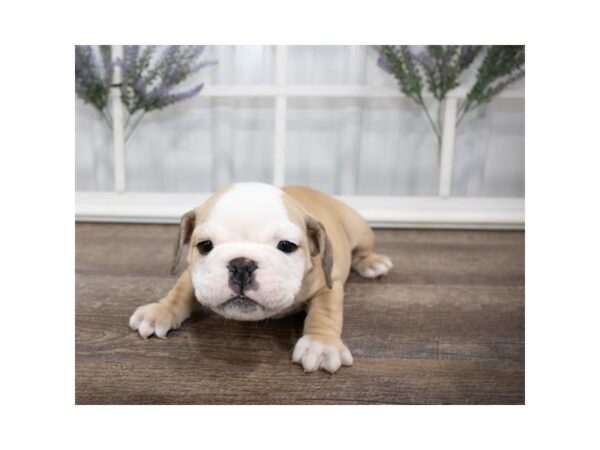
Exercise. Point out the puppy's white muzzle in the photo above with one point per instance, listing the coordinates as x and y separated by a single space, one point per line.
274 282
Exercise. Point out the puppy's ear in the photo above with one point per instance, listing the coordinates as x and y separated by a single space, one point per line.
319 244
186 226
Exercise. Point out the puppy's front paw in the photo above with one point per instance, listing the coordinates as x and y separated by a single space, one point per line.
373 265
154 318
313 353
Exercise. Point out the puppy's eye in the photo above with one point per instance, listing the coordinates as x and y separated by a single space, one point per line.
205 246
287 246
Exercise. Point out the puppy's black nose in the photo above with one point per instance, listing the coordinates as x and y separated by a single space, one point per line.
240 273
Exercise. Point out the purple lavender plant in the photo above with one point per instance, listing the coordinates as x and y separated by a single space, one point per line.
442 65
92 78
149 80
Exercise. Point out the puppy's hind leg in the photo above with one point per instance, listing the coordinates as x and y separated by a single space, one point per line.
367 263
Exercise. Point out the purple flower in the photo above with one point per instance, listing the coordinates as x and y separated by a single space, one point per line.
109 70
383 62
90 83
147 83
467 55
130 54
140 87
425 60
189 93
168 55
197 51
158 92
130 60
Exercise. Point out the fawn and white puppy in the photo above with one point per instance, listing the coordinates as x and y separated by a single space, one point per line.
257 251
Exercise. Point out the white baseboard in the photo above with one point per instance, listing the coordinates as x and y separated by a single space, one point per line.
381 212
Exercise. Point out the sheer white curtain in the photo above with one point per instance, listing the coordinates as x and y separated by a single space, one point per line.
342 146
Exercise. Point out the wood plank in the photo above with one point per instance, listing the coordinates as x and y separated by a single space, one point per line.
447 326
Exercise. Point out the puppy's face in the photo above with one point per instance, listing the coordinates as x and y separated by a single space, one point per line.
248 254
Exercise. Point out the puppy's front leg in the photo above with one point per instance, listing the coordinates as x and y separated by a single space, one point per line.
321 347
168 313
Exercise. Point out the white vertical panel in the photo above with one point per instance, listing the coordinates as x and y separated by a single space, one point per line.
350 123
222 133
280 117
447 152
117 122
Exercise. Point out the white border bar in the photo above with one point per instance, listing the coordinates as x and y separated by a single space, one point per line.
280 133
117 122
447 148
385 212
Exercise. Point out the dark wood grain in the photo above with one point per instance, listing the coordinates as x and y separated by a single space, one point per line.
445 327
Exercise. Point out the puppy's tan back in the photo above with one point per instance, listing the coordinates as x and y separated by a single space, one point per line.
335 215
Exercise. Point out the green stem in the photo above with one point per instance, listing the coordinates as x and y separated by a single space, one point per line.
132 112
106 119
431 122
461 117
109 115
441 127
465 107
134 126
439 114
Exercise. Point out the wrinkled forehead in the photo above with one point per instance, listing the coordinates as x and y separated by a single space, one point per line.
250 212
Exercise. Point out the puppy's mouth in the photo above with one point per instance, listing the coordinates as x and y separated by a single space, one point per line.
241 303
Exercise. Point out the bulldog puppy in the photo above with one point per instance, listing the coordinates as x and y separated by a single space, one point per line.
258 251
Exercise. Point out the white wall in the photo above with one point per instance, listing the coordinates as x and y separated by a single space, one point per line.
343 146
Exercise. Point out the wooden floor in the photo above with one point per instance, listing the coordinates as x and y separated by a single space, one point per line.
446 326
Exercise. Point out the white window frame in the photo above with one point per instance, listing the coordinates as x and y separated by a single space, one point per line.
442 211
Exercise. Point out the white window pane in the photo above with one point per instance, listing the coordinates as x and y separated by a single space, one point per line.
489 159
